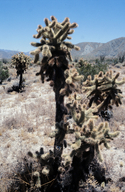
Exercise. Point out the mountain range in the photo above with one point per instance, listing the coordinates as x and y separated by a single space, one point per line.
7 54
88 50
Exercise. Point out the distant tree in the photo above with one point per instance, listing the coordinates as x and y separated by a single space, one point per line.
4 60
102 58
121 57
116 60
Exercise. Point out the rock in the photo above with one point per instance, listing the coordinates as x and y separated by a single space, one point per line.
9 79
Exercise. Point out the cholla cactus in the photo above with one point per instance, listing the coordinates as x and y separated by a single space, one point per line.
81 63
56 52
104 88
49 169
90 135
79 111
87 135
45 159
36 177
53 47
71 77
21 62
63 78
52 38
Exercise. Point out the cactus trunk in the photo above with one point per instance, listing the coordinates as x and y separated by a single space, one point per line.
21 79
60 109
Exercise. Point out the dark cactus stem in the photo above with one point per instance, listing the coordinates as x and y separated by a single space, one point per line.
81 167
59 107
59 82
21 79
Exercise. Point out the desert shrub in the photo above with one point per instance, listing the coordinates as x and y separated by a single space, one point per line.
4 73
85 68
115 61
121 56
5 61
100 66
102 58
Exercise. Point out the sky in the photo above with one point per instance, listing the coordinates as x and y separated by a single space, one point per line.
98 20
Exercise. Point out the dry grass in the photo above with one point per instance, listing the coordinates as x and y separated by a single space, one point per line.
114 188
2 130
48 141
16 121
24 118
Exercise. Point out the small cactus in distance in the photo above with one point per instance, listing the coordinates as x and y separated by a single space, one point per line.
21 62
82 63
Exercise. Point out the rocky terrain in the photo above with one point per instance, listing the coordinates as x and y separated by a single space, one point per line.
28 117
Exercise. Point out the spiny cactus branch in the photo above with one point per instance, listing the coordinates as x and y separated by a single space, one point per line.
103 88
52 38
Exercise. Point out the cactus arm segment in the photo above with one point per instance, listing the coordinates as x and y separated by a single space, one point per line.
98 152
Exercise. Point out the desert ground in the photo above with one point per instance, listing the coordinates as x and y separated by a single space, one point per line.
27 118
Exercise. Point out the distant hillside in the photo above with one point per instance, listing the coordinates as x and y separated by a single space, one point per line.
7 54
93 50
88 50
85 49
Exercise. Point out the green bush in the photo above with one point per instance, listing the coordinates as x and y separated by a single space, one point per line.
5 61
116 61
85 68
4 73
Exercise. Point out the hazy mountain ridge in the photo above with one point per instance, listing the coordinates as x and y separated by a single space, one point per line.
7 54
93 50
85 48
88 49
